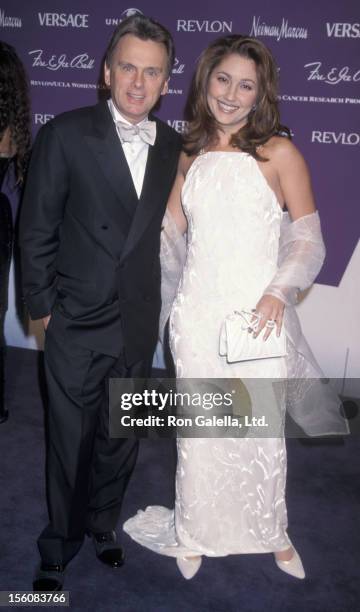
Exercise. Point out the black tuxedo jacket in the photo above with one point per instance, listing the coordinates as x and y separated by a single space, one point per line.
90 247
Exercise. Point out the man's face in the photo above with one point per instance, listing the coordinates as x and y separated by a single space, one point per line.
137 76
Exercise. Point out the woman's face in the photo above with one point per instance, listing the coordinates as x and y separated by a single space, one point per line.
232 91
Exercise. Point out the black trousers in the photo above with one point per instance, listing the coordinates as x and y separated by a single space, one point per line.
87 472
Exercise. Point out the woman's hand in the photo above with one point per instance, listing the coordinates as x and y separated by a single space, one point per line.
271 311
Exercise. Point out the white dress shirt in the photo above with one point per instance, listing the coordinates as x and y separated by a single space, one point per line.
136 152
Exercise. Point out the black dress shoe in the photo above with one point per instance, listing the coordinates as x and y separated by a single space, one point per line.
106 549
49 578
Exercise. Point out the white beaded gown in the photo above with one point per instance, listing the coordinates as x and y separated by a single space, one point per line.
230 492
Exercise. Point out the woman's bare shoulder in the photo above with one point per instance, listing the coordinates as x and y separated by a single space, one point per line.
281 149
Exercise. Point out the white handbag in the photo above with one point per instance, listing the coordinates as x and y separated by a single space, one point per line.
238 344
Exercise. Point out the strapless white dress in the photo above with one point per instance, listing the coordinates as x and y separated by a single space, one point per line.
230 492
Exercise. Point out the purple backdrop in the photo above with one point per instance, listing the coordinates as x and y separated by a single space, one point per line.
316 45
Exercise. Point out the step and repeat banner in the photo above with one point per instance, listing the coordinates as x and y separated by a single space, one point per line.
316 46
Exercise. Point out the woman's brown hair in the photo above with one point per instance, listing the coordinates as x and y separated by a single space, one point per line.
263 121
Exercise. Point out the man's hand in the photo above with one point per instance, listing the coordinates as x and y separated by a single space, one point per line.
45 321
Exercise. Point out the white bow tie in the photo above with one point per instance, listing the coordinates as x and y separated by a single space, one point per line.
146 131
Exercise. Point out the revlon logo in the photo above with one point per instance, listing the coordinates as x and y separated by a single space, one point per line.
195 25
336 138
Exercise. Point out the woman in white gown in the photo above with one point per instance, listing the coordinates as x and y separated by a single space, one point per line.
232 185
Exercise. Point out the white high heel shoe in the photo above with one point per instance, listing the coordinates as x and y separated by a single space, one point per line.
188 566
294 566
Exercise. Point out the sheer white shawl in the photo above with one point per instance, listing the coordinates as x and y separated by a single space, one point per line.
311 401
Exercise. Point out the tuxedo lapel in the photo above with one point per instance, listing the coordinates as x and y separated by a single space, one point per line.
106 147
154 190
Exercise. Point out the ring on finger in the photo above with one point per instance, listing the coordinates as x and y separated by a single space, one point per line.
270 323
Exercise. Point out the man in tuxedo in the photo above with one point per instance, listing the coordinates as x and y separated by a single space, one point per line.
98 183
